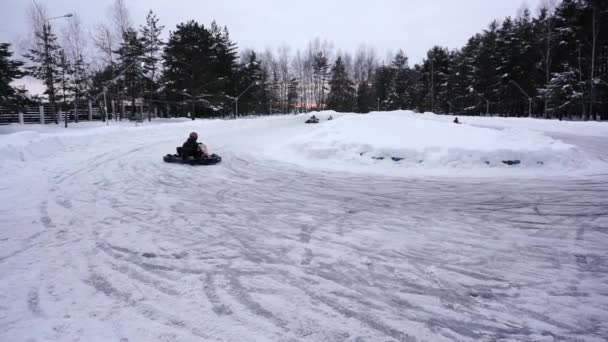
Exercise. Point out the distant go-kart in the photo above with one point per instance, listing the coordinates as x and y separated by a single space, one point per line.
312 120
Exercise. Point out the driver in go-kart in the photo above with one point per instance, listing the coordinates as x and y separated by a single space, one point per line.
192 148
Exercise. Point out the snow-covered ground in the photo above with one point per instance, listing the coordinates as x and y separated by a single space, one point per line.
300 235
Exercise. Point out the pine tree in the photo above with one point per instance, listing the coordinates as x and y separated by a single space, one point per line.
130 56
250 76
562 90
382 87
569 70
200 62
292 92
400 96
365 101
516 65
274 91
544 26
81 81
45 56
9 71
458 80
485 77
65 73
224 51
264 93
320 74
342 93
152 47
435 73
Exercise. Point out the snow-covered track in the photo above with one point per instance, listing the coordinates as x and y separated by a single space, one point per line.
116 244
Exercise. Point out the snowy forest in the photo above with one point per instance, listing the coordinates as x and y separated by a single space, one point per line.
550 64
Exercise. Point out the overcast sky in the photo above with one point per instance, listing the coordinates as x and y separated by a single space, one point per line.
412 25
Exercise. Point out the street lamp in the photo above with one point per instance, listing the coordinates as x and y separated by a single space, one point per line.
68 15
526 95
47 58
597 79
105 88
487 101
236 99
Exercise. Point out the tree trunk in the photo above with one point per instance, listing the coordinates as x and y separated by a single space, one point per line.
591 74
580 77
432 84
547 64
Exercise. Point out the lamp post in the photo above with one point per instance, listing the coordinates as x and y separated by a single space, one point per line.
487 101
236 99
68 15
105 106
105 89
148 91
46 28
526 95
597 79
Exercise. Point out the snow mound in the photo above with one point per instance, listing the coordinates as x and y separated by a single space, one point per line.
404 142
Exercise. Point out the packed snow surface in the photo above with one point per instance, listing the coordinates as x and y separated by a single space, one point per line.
300 235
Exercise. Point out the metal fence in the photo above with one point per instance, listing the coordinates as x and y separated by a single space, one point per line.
44 114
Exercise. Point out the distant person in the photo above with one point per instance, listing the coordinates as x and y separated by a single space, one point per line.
456 120
313 119
192 148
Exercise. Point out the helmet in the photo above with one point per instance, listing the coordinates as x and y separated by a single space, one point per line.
193 135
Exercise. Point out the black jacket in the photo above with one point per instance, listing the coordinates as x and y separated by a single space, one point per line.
190 147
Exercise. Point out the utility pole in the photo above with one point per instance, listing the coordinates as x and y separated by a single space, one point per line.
483 97
105 105
105 89
526 95
487 106
236 99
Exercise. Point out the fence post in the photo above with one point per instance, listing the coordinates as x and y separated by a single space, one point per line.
155 112
141 111
90 110
21 121
41 110
75 112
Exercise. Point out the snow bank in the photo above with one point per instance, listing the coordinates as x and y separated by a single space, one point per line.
590 128
398 143
406 143
27 143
